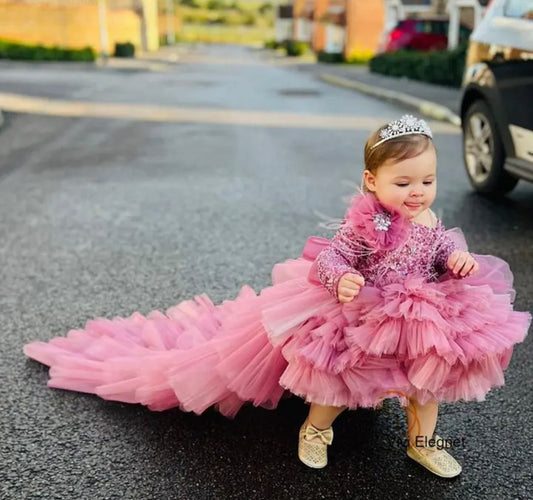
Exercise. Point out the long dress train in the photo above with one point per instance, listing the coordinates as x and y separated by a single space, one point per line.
446 339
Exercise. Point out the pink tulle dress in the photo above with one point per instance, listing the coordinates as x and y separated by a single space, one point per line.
413 331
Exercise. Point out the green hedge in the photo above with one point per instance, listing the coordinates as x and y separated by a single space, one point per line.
444 68
124 50
23 52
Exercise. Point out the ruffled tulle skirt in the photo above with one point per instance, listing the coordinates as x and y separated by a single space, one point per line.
449 340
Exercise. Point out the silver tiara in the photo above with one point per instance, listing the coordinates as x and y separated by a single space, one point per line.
406 125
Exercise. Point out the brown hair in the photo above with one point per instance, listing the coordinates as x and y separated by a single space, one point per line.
399 148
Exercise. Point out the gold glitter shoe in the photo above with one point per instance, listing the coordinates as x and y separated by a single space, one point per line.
440 462
314 454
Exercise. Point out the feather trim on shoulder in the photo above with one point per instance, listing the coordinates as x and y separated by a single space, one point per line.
380 227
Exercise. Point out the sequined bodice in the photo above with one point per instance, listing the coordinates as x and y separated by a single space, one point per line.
419 255
423 253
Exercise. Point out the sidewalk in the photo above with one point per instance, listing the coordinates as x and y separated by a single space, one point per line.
434 101
162 60
159 60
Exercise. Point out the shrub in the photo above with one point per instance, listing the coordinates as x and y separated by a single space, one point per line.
230 19
190 3
266 8
87 54
272 44
359 56
248 19
124 50
330 57
23 52
295 48
443 67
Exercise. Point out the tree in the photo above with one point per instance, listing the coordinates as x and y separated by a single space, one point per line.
190 3
266 8
249 19
216 5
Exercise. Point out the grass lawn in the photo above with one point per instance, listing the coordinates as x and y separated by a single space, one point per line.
246 35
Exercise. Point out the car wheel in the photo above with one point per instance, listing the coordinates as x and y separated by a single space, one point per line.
483 152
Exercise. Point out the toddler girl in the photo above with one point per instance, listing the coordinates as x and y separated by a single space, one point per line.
392 307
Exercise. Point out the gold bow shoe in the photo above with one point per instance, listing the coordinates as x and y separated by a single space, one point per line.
314 453
438 461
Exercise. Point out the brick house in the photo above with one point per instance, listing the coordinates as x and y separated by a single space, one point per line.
351 26
283 23
338 25
303 19
78 23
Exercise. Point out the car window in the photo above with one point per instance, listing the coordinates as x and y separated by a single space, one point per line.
464 32
421 27
440 27
425 27
521 9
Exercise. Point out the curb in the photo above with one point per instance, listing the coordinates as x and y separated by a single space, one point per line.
136 63
427 108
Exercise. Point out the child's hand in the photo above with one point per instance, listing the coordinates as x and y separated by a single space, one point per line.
462 264
349 286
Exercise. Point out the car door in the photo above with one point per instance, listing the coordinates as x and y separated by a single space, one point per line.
513 71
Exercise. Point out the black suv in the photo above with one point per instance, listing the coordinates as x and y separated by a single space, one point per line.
497 101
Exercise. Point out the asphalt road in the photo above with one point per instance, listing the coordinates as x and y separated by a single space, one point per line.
101 217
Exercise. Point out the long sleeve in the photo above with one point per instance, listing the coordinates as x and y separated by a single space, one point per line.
445 248
339 258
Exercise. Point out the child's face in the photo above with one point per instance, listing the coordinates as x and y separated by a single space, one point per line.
409 185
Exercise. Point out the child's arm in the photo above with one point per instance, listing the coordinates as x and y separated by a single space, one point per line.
338 259
444 250
449 258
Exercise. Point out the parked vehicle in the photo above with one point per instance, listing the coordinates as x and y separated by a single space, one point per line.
497 99
421 35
